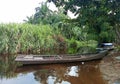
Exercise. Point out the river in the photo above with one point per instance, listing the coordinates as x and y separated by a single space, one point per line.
68 73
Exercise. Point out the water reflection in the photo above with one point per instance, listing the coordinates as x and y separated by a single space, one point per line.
73 71
7 67
69 73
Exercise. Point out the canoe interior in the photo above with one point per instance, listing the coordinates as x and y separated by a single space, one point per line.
44 59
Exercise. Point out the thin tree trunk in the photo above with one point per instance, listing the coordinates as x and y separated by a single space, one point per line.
117 30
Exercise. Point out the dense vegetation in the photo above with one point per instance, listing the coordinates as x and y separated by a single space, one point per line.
29 38
25 38
100 18
53 31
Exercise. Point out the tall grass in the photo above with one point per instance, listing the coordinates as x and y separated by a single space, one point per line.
25 38
8 38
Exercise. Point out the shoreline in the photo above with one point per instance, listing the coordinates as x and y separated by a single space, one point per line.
110 68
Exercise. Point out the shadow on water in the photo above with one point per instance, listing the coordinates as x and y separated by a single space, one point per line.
68 73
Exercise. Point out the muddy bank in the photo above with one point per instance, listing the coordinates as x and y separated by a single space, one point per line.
110 68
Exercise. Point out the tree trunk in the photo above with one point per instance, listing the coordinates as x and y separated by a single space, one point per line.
117 31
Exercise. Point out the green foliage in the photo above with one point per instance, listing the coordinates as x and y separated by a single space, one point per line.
75 46
72 46
59 22
25 38
29 38
99 17
36 38
44 15
8 36
107 34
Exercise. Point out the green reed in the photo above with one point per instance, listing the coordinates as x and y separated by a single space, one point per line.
26 38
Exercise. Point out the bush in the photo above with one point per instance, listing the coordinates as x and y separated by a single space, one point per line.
75 46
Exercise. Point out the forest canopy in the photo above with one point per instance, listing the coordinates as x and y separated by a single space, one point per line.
99 17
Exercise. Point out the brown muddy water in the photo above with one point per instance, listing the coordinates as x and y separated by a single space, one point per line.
68 73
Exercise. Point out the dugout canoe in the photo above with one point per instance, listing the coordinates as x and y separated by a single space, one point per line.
50 59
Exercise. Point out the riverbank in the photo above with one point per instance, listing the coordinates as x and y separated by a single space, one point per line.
110 68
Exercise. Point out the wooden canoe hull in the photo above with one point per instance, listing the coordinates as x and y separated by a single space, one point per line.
45 59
